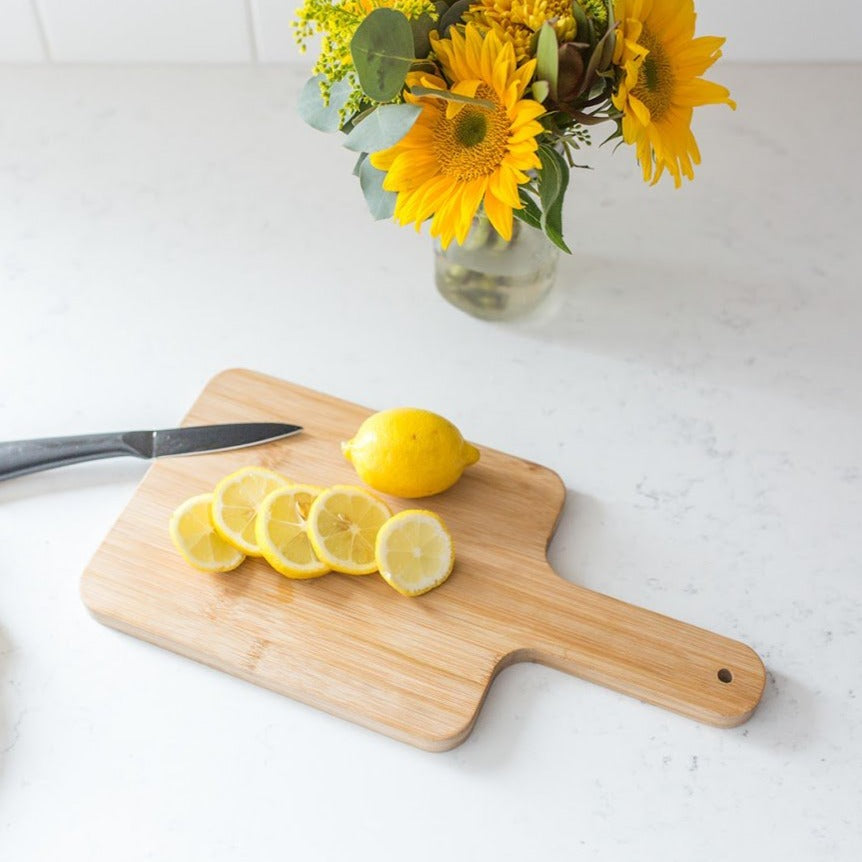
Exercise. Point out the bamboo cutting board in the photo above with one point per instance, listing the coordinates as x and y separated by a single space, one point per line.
415 669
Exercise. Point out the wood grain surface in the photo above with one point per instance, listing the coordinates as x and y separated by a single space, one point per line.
415 669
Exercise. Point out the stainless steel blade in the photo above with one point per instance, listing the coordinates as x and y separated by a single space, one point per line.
216 438
18 457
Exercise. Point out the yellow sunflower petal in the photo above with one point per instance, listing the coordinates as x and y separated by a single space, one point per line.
456 155
471 197
382 160
640 110
425 79
525 111
504 187
500 215
661 62
698 55
462 88
434 193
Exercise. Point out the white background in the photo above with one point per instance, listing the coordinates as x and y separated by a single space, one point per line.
238 31
694 381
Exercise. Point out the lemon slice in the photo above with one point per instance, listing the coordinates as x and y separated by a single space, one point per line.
342 525
236 501
281 535
192 532
414 552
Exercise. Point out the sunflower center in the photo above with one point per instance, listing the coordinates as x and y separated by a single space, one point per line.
656 79
471 128
474 142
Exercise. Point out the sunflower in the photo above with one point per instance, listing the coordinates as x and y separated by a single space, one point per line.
661 62
518 21
458 156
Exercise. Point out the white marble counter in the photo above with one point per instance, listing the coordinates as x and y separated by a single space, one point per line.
695 380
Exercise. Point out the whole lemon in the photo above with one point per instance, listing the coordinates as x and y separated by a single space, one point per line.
409 452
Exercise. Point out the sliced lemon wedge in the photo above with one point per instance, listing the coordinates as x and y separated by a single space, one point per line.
280 532
195 538
414 552
342 525
235 504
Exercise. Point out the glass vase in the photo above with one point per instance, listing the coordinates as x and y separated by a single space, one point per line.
493 278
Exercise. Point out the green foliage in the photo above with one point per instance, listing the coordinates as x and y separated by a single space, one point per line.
382 128
600 59
529 213
540 90
547 58
449 96
453 15
382 52
592 17
319 112
381 203
553 181
422 27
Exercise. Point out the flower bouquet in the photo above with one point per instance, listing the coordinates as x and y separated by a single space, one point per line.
477 109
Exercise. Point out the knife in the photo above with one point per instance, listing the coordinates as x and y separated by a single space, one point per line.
18 457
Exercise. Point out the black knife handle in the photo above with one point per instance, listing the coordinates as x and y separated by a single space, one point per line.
19 457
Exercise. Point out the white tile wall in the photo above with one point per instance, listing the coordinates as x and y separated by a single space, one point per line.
20 39
784 30
148 31
273 32
238 31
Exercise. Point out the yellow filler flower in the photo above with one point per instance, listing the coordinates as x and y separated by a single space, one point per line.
661 62
336 21
518 21
458 156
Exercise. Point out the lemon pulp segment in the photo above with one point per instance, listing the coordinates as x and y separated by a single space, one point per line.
281 535
414 552
342 526
195 538
236 501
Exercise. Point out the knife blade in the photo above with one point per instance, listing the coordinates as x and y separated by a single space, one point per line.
18 457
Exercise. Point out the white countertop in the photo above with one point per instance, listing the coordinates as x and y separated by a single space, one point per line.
695 380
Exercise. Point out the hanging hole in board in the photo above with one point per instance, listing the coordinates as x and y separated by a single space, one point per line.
724 675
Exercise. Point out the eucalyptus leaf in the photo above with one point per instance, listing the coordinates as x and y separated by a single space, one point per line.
381 203
382 52
547 58
453 15
358 165
356 119
311 108
384 126
449 96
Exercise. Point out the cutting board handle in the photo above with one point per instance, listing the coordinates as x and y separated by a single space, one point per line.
657 659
